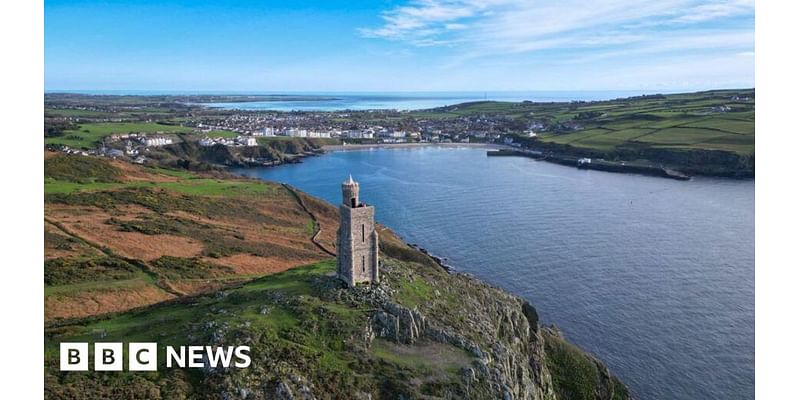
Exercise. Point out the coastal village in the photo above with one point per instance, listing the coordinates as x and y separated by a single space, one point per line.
616 135
250 129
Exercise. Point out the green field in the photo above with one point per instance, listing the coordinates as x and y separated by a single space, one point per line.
710 133
191 186
87 136
74 112
690 121
66 174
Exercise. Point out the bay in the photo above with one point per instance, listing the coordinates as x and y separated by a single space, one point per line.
652 275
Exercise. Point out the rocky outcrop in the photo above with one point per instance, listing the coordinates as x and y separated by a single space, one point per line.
189 154
399 323
503 335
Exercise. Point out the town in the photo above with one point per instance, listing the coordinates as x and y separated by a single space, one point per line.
652 131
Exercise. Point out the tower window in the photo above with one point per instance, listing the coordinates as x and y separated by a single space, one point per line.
363 267
362 234
353 202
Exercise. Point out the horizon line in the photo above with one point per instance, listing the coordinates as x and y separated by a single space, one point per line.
278 92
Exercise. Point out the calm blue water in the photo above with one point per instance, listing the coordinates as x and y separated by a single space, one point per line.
654 276
337 101
417 101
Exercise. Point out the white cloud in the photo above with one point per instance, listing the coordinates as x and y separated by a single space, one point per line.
480 28
717 9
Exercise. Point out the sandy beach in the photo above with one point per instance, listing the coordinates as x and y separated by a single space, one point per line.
349 147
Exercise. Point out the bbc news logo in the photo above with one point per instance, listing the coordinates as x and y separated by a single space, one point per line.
144 356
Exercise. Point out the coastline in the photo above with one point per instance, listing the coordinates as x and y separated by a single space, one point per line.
351 147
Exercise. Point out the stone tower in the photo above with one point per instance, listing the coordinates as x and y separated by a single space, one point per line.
357 239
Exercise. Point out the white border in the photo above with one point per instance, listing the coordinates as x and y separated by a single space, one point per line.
21 110
777 240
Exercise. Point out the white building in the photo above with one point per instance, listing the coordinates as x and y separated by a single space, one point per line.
360 135
391 134
155 141
294 132
313 134
268 131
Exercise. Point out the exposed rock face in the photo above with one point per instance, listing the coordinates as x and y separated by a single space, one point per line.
399 323
502 334
510 367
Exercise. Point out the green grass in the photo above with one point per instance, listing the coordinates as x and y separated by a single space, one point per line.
171 172
71 112
267 140
311 227
285 324
52 186
190 186
87 136
680 136
428 358
414 292
681 122
222 134
217 187
727 125
62 271
80 169
66 174
136 280
295 319
575 375
248 299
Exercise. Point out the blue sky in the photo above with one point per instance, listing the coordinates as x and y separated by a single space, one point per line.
383 45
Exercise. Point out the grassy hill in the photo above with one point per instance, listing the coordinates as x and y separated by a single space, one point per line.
143 254
152 234
710 132
714 120
89 135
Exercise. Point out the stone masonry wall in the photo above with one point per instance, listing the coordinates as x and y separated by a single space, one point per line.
357 245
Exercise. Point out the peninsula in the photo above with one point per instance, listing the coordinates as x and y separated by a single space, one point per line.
139 253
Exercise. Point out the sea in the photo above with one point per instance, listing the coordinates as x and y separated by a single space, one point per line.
359 101
653 276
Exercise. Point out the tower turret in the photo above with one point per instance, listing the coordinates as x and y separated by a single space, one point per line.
350 193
